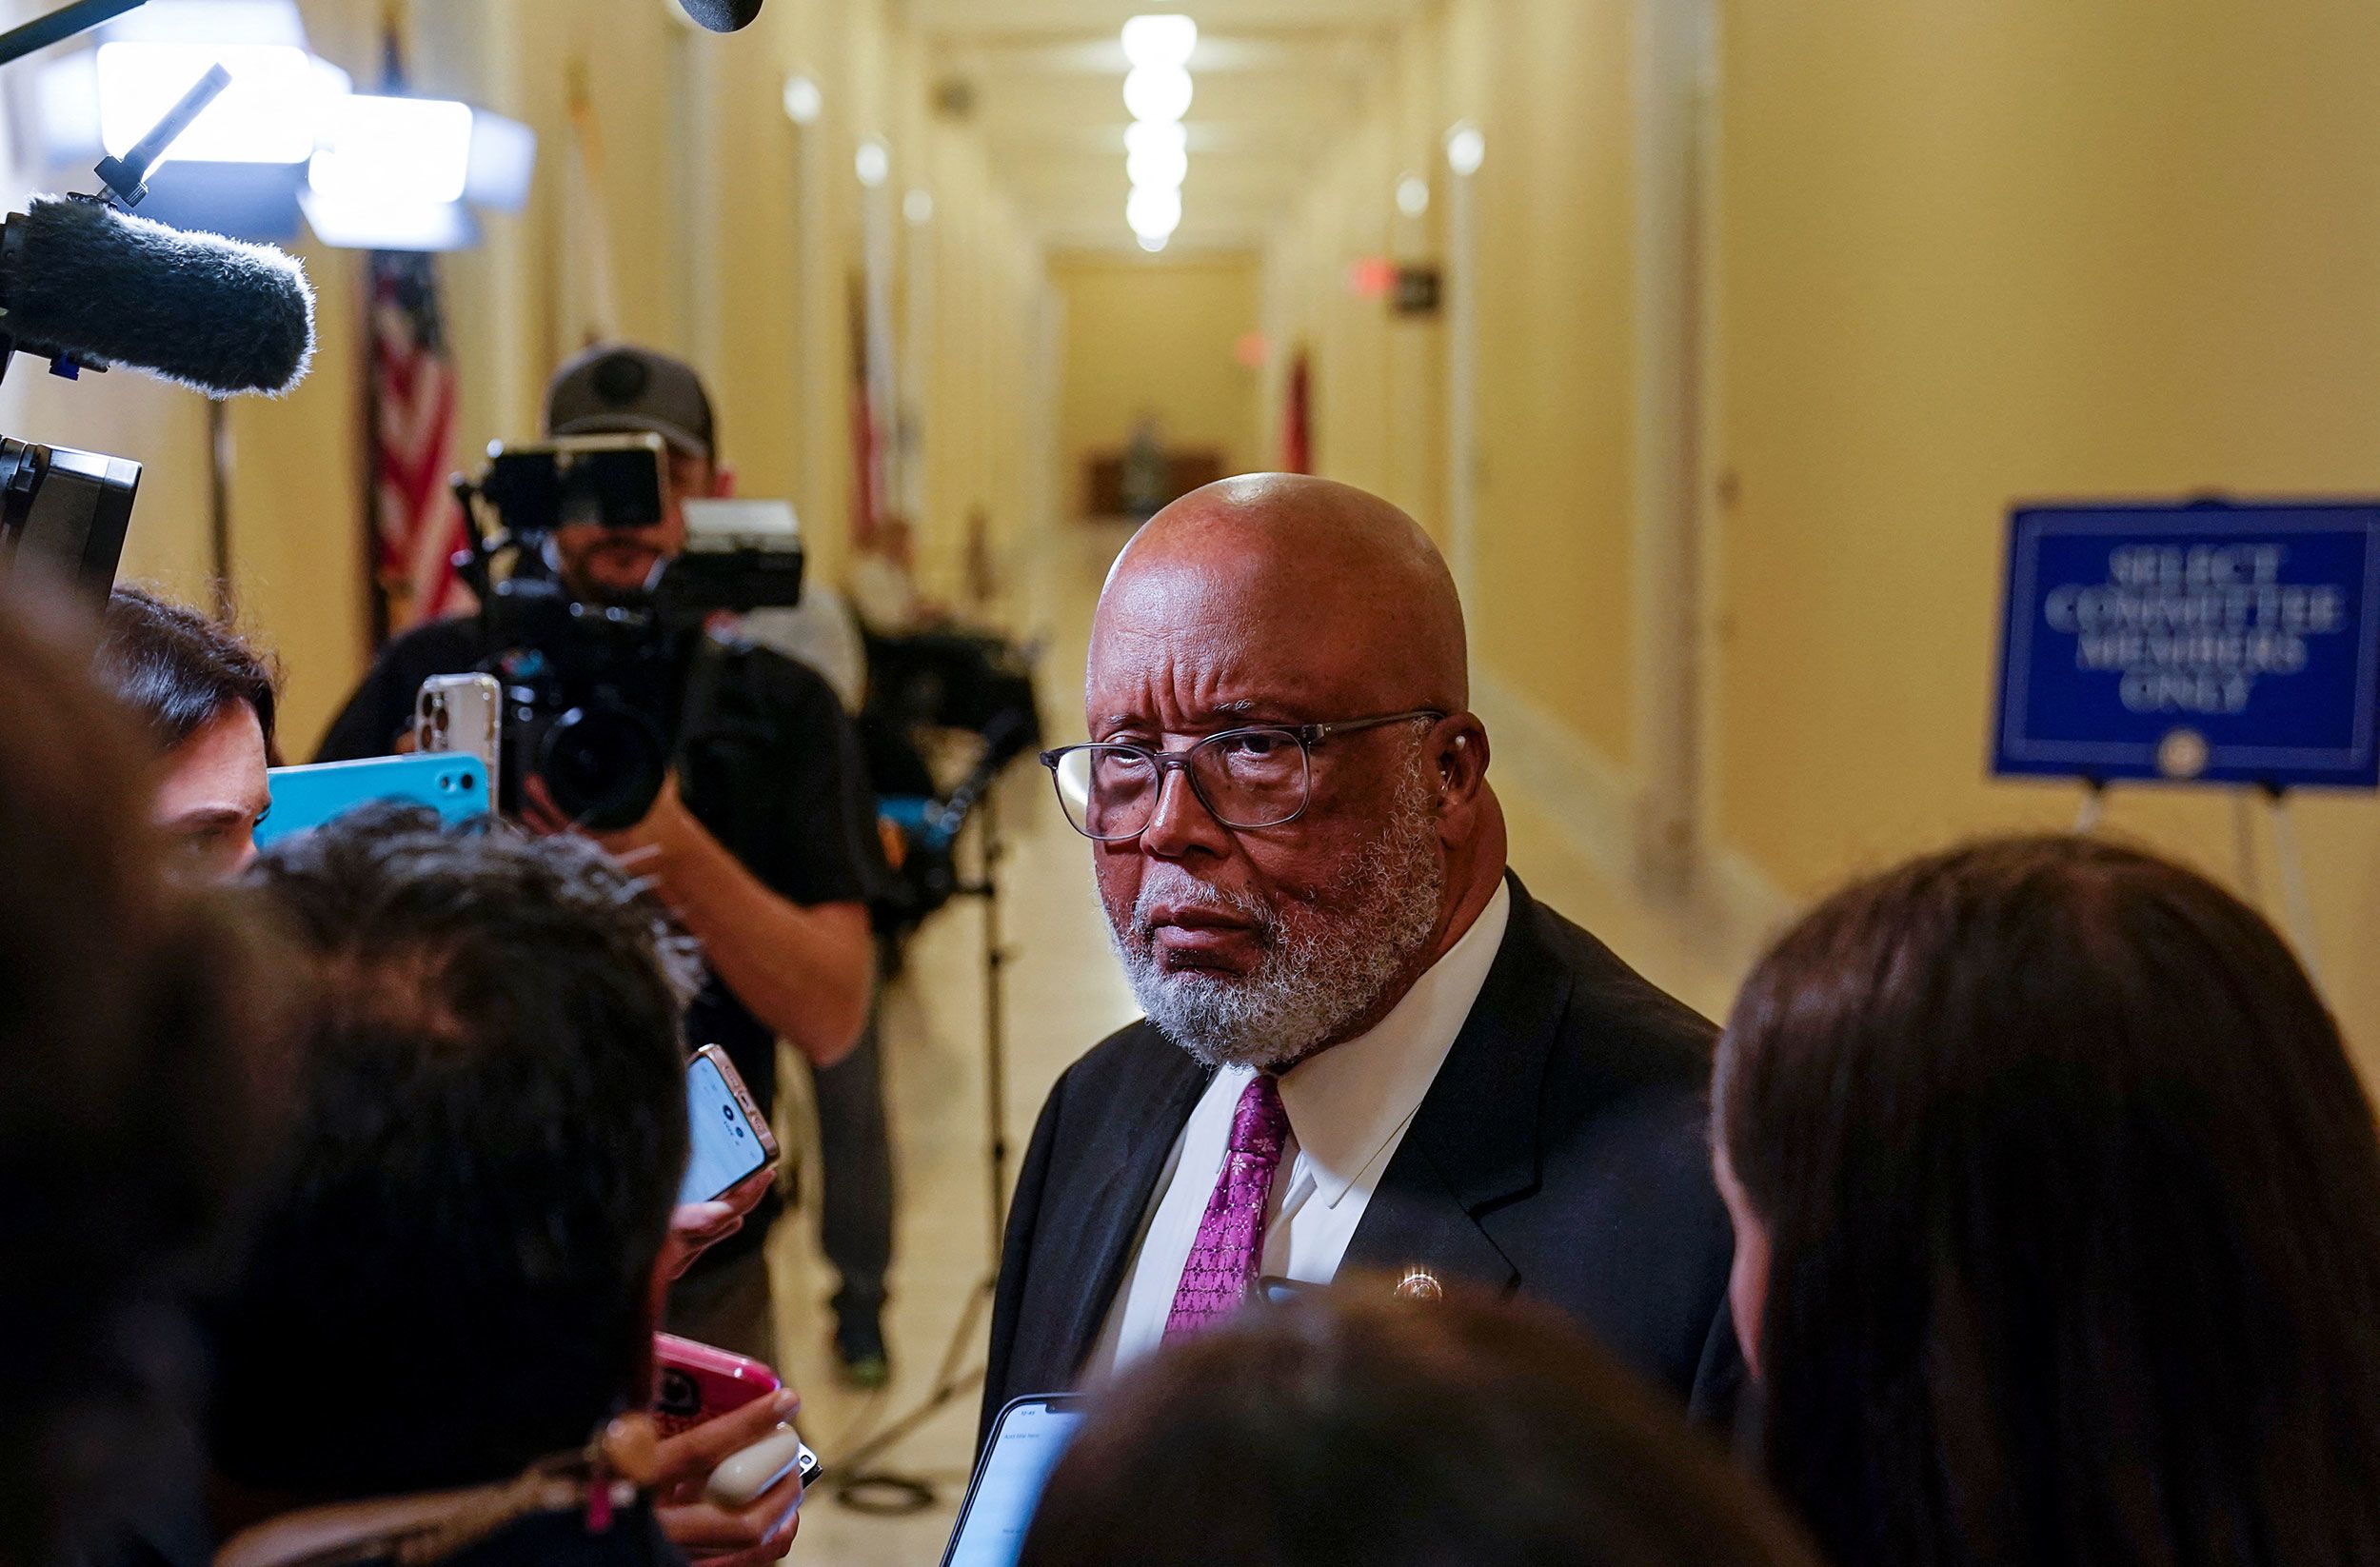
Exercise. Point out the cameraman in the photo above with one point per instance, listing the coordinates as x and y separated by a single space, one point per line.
763 844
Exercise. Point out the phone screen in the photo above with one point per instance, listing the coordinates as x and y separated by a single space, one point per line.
725 1149
1026 1445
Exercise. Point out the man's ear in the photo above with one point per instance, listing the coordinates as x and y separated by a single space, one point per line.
724 481
1462 759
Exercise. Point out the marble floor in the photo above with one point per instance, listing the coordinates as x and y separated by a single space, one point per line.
1063 992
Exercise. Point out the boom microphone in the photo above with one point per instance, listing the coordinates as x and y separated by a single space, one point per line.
81 279
721 15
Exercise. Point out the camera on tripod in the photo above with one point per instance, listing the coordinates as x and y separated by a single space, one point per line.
595 695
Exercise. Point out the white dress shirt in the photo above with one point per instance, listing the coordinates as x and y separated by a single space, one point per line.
1348 1110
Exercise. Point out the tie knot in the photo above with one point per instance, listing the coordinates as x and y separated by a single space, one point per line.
1259 1125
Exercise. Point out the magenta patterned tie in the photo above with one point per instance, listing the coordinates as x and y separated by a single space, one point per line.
1230 1248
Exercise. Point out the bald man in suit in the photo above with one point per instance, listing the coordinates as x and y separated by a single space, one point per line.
1367 1046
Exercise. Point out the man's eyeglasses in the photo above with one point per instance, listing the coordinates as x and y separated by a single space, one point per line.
1258 777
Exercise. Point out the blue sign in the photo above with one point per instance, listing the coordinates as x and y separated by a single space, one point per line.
2213 643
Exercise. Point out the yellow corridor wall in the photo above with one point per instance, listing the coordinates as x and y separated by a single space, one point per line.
1157 336
1977 254
1548 85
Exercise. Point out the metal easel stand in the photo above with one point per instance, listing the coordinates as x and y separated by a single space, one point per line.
2296 904
2297 909
884 1492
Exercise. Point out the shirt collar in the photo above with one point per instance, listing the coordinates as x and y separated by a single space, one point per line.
1350 1103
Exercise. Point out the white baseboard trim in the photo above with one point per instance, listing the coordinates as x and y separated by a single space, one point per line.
1555 763
1747 909
1738 906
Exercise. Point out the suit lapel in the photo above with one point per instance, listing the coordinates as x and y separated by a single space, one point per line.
1474 1141
1119 1172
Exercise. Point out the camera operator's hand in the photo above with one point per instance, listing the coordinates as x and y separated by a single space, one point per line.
696 1227
752 1536
806 970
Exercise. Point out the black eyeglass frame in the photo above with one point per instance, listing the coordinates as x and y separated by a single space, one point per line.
1307 736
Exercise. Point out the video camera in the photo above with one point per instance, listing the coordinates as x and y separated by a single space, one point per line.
595 695
63 514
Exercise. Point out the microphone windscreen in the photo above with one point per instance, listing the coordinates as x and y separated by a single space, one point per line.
723 15
211 313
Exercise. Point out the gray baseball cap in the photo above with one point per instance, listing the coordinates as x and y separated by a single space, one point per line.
613 388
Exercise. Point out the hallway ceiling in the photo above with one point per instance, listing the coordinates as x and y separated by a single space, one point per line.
1043 81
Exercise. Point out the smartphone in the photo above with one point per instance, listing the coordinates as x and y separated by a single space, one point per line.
461 715
730 1136
1027 1441
698 1382
454 787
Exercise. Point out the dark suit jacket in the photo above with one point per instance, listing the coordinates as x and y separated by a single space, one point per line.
1560 1152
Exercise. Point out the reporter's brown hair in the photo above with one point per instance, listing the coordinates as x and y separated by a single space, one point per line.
178 669
2071 1206
128 1098
1354 1427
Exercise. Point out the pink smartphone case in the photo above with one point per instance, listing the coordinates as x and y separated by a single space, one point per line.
698 1382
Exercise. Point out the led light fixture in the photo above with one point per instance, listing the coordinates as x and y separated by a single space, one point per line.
1465 149
1158 92
400 151
804 102
1154 212
1161 166
1165 40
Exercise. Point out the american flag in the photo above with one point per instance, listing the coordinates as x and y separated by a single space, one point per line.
416 525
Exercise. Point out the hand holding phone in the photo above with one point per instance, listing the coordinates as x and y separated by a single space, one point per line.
721 1533
697 1383
731 1141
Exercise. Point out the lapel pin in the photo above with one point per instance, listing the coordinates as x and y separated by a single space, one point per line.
1420 1284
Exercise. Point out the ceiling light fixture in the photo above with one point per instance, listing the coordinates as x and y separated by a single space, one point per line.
1160 40
1166 135
1154 212
804 100
1160 93
1162 165
872 163
1465 149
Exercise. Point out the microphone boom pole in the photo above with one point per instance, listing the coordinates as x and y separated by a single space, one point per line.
60 25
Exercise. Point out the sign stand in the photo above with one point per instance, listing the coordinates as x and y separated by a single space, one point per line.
2209 642
2297 909
2094 807
2244 849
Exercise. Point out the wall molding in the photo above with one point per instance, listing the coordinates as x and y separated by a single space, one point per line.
1723 895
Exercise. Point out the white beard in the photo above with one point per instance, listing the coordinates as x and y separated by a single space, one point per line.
1309 984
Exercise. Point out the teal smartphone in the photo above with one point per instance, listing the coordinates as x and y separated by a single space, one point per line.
452 783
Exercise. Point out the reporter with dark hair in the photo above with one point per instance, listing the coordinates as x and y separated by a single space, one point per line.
207 699
1455 1433
449 1306
131 1112
2057 1206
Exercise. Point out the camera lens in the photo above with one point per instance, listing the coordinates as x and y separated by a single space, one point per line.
603 764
